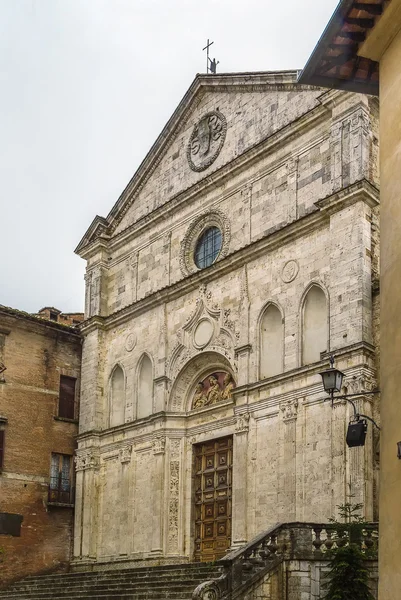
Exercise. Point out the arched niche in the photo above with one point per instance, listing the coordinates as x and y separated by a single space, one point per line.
117 396
197 369
315 329
271 348
144 406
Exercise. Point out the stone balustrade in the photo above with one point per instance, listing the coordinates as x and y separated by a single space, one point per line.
285 542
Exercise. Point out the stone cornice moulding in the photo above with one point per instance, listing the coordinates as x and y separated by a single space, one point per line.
307 120
359 191
164 420
362 190
359 348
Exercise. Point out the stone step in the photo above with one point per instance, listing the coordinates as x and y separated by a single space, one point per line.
115 586
157 595
124 574
118 580
173 582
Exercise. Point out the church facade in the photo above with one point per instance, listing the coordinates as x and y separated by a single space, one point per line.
241 255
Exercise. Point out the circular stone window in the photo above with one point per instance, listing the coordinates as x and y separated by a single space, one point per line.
206 241
208 247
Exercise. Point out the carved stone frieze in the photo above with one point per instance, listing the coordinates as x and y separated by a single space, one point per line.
206 140
174 492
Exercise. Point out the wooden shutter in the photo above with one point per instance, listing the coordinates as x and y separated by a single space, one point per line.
2 439
66 405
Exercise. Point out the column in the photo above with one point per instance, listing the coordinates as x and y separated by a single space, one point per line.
240 482
158 444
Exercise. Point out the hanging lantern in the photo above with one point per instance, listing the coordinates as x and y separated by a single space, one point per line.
332 378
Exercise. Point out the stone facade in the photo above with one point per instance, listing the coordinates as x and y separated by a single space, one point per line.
291 187
33 355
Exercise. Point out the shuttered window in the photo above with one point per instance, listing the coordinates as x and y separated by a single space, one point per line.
2 439
66 404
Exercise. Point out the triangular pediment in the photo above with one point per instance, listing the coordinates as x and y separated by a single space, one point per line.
220 118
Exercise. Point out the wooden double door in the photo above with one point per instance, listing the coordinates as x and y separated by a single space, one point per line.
212 498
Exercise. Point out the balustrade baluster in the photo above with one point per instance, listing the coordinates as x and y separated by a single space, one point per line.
317 542
329 543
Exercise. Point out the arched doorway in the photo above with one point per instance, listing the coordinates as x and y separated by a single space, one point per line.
203 389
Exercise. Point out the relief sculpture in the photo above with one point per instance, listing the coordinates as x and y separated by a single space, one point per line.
213 389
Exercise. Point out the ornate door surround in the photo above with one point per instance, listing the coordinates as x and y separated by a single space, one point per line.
212 498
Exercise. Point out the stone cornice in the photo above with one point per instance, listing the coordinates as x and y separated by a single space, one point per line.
363 348
362 190
180 424
359 191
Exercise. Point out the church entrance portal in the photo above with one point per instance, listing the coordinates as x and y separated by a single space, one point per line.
212 498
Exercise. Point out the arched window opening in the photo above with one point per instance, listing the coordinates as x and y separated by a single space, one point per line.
117 397
145 388
271 342
315 326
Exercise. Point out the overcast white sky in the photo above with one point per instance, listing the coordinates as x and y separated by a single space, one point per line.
86 86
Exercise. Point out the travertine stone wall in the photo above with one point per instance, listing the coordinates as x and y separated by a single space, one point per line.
292 191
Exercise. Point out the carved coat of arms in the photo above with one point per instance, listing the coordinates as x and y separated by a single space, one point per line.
206 140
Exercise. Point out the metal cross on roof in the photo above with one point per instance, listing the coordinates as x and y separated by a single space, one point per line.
211 64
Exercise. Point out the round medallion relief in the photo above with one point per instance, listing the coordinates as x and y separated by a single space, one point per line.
290 271
203 333
130 342
206 140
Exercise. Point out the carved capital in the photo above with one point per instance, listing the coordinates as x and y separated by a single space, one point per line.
125 454
242 423
159 445
289 408
86 459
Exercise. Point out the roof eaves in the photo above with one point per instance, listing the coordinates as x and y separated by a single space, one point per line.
20 314
310 76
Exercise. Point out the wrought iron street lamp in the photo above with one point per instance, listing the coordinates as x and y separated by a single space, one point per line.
332 382
332 379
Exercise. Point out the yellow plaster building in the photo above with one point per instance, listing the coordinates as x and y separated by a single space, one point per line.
360 38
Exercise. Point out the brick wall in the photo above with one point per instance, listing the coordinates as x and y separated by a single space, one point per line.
35 354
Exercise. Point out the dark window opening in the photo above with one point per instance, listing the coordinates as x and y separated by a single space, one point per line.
53 316
60 488
66 403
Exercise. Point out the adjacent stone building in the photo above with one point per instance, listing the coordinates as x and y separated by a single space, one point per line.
364 40
239 257
39 402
